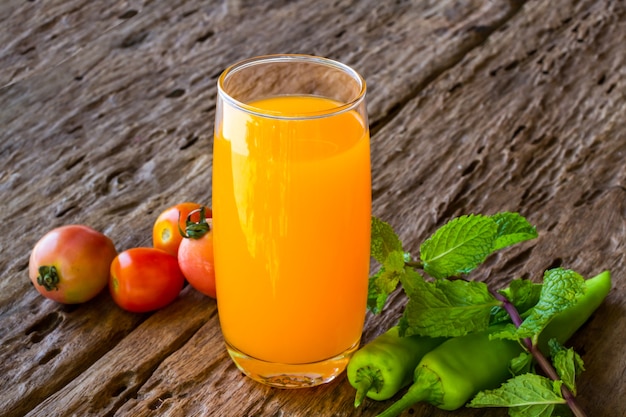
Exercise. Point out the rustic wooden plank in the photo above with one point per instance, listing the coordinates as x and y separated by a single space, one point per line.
36 37
533 121
111 136
122 102
110 120
119 372
52 345
182 49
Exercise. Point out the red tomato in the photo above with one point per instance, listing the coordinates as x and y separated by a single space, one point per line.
195 258
165 232
70 264
145 279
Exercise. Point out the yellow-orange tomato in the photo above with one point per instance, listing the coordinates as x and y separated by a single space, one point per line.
165 232
70 264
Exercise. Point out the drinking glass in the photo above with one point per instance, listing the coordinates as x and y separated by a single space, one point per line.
291 216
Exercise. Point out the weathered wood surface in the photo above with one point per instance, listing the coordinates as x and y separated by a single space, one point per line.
106 118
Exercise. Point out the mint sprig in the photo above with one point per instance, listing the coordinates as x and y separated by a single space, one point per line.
529 394
568 364
458 247
439 306
561 289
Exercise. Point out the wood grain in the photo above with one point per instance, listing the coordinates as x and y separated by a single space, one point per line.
478 106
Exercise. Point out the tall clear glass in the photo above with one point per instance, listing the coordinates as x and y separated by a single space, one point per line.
291 216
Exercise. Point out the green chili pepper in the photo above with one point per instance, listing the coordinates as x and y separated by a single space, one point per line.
385 365
451 374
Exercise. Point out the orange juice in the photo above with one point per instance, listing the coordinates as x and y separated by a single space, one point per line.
291 224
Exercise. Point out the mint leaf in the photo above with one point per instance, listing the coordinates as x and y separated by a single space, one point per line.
377 290
411 280
561 289
508 331
522 364
523 294
386 248
512 229
447 308
380 286
385 281
533 411
459 246
383 240
527 395
568 364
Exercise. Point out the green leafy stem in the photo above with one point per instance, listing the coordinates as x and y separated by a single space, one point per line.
447 305
540 358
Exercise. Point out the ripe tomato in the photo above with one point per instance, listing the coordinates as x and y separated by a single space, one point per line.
145 279
195 258
165 232
70 264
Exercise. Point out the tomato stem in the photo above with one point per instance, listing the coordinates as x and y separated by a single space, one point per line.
194 230
48 277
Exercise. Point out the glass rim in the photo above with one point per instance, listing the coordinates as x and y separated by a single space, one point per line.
262 59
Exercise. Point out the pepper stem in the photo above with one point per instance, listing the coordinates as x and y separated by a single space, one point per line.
367 379
363 387
417 392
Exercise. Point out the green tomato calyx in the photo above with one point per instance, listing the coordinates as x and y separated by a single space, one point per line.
195 230
48 277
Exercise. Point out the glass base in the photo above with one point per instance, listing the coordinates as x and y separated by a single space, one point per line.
290 376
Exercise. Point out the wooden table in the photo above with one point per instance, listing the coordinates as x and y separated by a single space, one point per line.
477 106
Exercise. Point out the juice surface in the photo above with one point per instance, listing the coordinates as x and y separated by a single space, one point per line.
291 224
